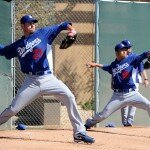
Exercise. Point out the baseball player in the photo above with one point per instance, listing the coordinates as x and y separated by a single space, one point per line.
128 112
33 50
124 87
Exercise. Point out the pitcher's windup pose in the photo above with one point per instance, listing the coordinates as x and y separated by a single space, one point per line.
123 85
139 75
34 53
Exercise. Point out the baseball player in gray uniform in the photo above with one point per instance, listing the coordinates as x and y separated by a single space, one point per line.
128 112
123 85
34 53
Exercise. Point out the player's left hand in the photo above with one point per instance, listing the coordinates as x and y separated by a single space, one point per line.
69 39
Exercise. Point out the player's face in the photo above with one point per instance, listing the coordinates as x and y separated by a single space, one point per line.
28 28
121 54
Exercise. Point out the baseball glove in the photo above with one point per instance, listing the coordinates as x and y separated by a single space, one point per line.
68 41
147 64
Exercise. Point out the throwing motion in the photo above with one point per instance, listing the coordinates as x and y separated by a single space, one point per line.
128 112
123 85
34 53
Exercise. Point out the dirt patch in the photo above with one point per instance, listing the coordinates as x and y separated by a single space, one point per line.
134 138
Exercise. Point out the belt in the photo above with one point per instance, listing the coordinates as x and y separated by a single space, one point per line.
40 73
123 90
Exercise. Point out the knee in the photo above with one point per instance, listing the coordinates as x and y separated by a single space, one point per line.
70 96
68 99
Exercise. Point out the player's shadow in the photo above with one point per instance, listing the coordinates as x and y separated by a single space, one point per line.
39 140
29 139
123 134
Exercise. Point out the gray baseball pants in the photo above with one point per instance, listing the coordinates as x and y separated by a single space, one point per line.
120 100
127 114
33 87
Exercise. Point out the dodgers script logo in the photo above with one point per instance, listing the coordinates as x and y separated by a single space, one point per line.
119 69
28 48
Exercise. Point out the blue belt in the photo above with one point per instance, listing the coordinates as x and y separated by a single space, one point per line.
123 90
40 73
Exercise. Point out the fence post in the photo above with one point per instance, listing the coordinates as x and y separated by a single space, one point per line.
97 77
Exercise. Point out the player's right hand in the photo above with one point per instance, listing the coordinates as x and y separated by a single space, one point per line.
91 64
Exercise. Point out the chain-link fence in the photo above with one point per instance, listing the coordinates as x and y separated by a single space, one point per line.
69 65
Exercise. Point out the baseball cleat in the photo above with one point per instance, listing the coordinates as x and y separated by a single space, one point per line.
90 123
82 137
127 125
87 127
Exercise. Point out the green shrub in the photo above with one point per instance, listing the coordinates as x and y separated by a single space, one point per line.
89 105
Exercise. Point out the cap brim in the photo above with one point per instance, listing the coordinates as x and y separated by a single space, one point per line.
35 21
128 46
31 20
121 49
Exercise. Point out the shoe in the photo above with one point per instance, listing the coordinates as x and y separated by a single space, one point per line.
90 123
87 127
111 125
128 125
82 137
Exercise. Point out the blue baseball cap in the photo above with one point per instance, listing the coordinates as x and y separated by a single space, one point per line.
127 43
119 47
27 18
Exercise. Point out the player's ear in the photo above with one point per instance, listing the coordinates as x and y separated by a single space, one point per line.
117 52
22 26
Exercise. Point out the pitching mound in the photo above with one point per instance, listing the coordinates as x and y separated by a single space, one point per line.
130 138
